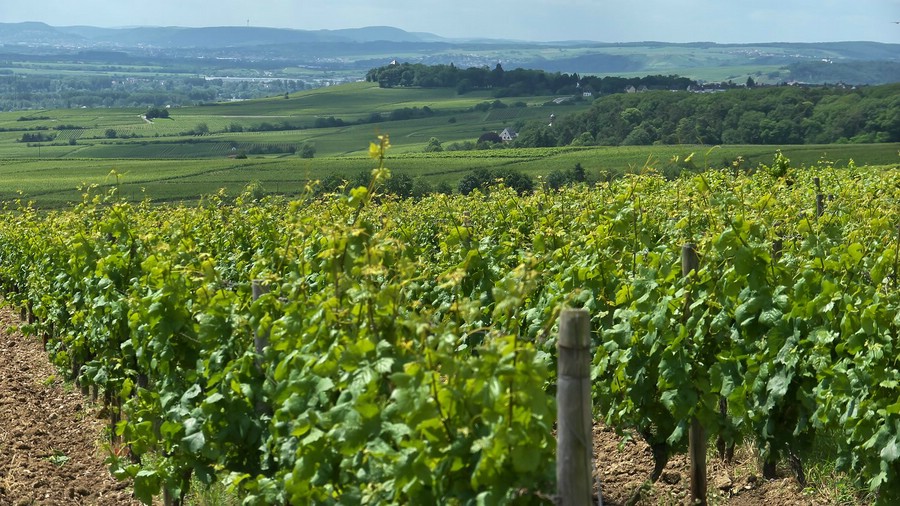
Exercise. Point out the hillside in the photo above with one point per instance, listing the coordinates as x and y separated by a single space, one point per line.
205 37
356 50
198 150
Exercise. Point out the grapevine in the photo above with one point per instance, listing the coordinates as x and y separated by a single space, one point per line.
410 343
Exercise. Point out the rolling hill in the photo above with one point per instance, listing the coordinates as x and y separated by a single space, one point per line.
358 49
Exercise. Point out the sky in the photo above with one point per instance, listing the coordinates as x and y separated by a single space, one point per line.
720 21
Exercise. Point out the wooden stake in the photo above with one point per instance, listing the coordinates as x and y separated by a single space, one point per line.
574 448
690 262
820 198
260 338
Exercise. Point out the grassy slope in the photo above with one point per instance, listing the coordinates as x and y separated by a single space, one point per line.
164 164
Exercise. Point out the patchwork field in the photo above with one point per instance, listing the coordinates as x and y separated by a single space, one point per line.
46 156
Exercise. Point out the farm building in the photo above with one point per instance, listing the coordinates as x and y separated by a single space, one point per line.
508 134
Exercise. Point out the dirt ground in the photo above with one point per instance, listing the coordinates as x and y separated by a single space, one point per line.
52 448
51 439
621 471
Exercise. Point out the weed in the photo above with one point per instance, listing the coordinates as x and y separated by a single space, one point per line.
58 458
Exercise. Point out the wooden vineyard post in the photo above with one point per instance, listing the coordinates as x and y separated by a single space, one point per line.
574 449
777 247
820 198
260 338
897 257
697 435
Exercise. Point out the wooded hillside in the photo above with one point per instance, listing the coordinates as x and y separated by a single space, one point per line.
769 115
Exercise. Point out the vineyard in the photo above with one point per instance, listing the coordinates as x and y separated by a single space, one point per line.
363 350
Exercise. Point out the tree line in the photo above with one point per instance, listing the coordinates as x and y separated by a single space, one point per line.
514 83
768 115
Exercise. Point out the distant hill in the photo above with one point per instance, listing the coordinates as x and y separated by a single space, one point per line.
356 50
33 33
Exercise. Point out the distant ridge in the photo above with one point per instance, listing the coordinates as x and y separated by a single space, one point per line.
32 33
356 50
36 33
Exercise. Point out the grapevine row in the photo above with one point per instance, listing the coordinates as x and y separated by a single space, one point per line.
409 355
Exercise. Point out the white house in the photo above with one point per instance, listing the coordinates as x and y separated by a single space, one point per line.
508 134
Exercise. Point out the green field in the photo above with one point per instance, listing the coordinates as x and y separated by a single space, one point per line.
162 161
453 120
55 182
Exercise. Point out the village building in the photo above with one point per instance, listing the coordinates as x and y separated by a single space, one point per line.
508 134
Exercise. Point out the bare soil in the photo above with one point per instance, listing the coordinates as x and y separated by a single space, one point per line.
52 448
621 469
51 437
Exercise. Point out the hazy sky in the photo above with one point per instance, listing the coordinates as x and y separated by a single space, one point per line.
599 20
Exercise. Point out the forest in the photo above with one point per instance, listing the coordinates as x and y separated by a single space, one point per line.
515 83
674 110
766 115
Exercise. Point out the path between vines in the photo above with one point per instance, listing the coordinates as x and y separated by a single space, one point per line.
51 437
52 447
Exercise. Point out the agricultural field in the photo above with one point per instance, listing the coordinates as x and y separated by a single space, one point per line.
248 330
54 182
45 156
452 118
407 346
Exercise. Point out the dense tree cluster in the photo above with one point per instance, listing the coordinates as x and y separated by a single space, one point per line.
157 112
557 179
767 115
513 83
483 179
403 186
37 137
308 150
405 113
399 185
